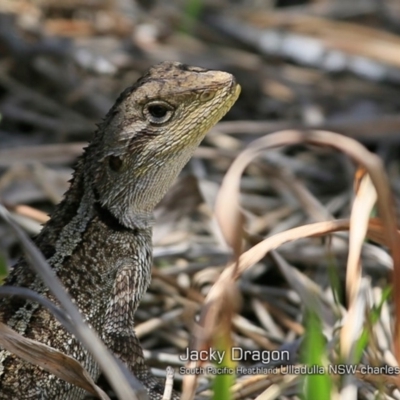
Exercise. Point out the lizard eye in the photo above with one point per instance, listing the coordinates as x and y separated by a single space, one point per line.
158 112
115 163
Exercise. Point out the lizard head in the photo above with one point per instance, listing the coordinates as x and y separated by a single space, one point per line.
150 134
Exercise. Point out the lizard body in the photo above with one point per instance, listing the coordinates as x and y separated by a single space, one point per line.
98 240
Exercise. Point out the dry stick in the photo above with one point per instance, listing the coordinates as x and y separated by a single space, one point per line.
120 379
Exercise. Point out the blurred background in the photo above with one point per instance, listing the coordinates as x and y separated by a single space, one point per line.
324 62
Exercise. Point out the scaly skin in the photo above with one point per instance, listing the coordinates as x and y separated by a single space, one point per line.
98 240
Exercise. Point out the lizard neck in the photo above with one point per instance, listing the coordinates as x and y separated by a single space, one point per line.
80 208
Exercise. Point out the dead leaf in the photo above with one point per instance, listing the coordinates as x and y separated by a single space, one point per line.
50 359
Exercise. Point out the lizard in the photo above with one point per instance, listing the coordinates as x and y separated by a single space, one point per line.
98 240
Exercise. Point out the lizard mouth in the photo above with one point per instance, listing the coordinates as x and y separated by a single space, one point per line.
235 89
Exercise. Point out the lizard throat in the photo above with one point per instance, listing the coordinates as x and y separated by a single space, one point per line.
108 219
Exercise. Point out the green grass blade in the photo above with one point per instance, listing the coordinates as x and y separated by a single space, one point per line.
317 386
223 382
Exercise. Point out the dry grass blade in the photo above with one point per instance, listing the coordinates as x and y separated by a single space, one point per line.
277 389
309 292
228 212
260 250
353 323
29 212
156 323
361 209
34 296
253 384
213 323
169 382
119 378
228 215
189 383
50 359
49 153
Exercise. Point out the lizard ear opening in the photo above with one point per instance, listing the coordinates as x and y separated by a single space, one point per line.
115 163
